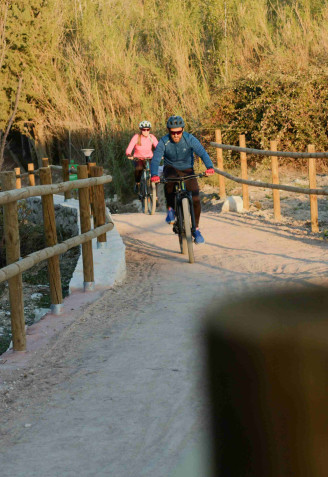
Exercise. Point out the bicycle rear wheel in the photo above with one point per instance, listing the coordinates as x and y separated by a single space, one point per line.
187 228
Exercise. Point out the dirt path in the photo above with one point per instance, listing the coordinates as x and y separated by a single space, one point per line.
119 393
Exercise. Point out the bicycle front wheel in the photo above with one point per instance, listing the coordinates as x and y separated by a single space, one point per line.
151 199
143 195
187 228
181 230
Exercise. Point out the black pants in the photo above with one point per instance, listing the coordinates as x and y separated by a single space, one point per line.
191 185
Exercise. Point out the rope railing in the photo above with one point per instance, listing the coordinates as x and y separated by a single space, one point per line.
268 185
274 154
260 152
37 171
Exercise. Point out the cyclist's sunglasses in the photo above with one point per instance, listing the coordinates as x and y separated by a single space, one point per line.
145 129
176 133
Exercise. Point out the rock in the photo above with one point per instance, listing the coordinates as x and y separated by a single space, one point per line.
302 182
233 203
34 296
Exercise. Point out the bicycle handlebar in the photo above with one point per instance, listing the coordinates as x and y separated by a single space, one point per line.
142 158
181 179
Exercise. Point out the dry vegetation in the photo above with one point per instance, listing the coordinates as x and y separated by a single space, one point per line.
96 68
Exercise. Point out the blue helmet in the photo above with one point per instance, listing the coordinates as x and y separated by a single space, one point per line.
175 122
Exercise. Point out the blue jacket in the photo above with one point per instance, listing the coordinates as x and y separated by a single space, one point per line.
179 155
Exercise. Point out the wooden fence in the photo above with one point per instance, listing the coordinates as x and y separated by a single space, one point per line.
312 191
9 198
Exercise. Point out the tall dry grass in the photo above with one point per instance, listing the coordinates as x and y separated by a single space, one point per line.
96 68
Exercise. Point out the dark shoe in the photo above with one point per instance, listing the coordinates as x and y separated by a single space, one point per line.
198 238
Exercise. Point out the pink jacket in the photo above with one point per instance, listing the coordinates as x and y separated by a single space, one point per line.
144 151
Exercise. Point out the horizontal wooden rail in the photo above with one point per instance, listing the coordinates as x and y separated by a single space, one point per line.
12 195
36 171
267 185
34 258
259 152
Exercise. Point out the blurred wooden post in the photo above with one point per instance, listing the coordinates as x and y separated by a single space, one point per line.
18 179
99 217
84 204
219 159
65 169
313 185
51 239
275 180
267 368
45 162
31 177
89 165
243 161
11 234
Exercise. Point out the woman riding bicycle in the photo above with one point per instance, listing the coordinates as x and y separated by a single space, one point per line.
142 145
178 148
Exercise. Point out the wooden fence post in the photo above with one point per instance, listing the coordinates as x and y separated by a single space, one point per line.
45 162
51 239
31 177
267 368
219 159
65 166
11 234
18 179
243 161
99 217
275 180
313 185
87 257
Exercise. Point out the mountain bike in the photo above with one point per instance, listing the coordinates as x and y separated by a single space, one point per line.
184 225
147 190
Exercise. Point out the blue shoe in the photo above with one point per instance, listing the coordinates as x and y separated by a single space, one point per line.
170 218
198 238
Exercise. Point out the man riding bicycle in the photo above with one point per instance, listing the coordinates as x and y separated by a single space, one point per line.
178 148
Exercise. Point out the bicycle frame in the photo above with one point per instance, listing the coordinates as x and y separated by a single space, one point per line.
147 193
146 174
185 224
181 192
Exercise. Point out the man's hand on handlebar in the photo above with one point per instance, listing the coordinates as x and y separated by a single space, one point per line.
131 158
155 179
209 172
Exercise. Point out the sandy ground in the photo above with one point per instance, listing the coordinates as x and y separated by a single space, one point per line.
120 391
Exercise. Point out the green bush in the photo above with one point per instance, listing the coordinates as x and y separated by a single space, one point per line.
292 109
